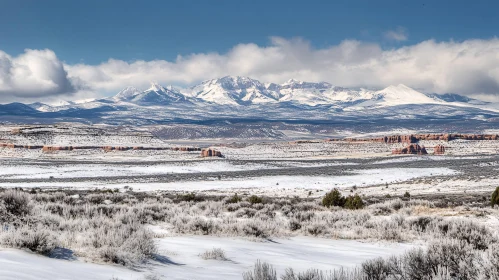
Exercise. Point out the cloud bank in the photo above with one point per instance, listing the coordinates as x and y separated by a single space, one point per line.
35 73
469 67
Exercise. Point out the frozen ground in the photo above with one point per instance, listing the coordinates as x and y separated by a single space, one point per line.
277 178
277 169
376 176
182 259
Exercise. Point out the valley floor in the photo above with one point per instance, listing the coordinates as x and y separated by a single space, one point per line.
278 170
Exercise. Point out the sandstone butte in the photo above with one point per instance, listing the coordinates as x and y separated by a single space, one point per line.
439 149
412 149
210 153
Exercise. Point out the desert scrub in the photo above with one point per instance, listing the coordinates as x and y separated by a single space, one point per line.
443 259
125 244
354 202
111 233
234 199
254 199
16 203
333 198
111 227
214 254
38 240
261 271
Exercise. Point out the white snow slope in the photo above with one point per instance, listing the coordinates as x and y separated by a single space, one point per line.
180 259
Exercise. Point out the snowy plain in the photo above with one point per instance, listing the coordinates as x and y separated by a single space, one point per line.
180 259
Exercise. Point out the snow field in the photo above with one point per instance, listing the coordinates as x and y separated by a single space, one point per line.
183 260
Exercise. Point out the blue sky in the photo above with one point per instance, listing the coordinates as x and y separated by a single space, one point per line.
80 49
93 31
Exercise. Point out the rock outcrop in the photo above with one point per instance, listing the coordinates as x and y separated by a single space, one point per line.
439 150
56 148
415 138
47 148
409 139
413 149
210 153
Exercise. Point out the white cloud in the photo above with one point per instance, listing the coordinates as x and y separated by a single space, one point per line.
35 73
399 34
470 67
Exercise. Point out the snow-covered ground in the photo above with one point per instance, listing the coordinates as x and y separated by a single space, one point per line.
269 185
107 170
290 184
180 259
271 169
18 170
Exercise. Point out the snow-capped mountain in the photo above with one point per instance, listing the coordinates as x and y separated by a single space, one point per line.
242 98
127 94
305 93
402 94
231 90
42 107
237 90
155 95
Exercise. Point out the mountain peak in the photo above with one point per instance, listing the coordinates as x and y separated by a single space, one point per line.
293 81
400 90
402 94
237 79
296 84
155 87
127 93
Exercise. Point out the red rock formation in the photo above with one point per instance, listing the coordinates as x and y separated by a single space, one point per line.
105 148
439 150
409 139
32 147
417 137
85 147
413 149
210 153
56 148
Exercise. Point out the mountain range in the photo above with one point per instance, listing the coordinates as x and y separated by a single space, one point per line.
244 91
237 99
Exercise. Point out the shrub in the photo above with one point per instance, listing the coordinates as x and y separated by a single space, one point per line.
294 224
310 274
407 194
489 263
253 229
38 240
188 197
17 203
214 254
202 226
495 197
261 271
316 229
245 212
333 198
376 269
254 199
354 202
315 274
472 233
234 199
125 244
420 223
